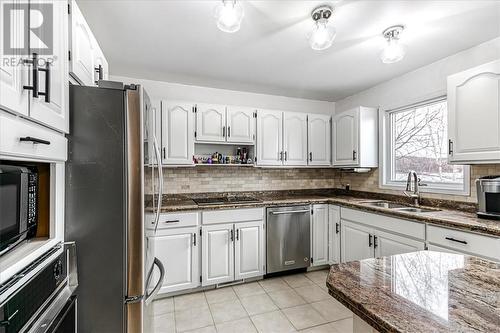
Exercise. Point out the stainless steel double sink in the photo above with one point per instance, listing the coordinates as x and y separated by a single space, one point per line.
398 207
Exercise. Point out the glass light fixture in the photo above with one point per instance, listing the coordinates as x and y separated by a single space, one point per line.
394 51
323 33
228 15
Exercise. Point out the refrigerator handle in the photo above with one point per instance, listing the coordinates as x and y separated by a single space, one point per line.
160 181
150 296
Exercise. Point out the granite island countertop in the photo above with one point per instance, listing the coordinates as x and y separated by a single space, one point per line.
440 215
421 292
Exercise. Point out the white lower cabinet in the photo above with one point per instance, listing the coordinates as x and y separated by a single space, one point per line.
217 259
366 235
232 251
356 243
248 253
178 250
388 244
319 235
333 234
464 242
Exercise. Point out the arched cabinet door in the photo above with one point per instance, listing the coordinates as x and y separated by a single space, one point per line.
345 138
474 115
177 145
269 137
210 123
295 138
240 124
319 138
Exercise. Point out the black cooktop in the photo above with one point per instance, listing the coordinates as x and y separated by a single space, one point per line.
225 200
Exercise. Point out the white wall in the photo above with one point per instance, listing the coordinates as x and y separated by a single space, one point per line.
424 83
158 90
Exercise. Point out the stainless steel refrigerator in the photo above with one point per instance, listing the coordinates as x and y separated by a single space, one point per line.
109 147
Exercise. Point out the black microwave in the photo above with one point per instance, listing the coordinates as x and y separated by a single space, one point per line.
18 205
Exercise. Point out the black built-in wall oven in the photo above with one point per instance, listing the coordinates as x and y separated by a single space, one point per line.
18 205
40 298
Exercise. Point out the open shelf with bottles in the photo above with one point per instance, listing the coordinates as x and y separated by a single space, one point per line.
209 154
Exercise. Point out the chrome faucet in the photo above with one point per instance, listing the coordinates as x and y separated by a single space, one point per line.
412 187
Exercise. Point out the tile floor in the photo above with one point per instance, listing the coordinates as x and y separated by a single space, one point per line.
291 303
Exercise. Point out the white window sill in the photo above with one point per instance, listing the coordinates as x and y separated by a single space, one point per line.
427 189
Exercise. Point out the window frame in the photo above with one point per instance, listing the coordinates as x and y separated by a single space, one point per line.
387 162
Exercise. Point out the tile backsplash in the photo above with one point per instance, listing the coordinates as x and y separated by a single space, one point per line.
230 179
202 179
369 182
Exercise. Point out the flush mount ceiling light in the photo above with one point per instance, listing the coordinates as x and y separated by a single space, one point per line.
228 15
393 51
323 33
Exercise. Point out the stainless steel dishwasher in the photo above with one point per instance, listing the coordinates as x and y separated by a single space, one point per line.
288 238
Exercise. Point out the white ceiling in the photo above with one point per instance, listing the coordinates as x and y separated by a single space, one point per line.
178 41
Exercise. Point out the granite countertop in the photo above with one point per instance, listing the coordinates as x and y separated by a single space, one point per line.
421 292
447 215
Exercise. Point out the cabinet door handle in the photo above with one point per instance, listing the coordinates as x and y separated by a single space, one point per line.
224 131
34 140
310 156
450 147
172 221
229 131
99 71
337 228
232 235
34 71
455 240
285 156
281 156
46 93
194 239
354 154
237 234
370 240
375 242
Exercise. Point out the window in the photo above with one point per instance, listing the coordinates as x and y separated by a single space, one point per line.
416 139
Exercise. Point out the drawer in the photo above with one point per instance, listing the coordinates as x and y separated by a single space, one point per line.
176 220
392 224
461 241
232 215
12 129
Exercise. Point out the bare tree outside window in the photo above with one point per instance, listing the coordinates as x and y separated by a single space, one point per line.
419 142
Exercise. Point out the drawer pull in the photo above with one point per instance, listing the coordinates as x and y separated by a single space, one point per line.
455 240
34 140
172 221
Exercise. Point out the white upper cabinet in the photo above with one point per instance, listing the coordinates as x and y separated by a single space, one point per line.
355 138
82 47
333 234
12 76
345 138
240 124
269 137
319 138
474 115
210 123
249 250
177 132
295 138
51 107
87 61
319 235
